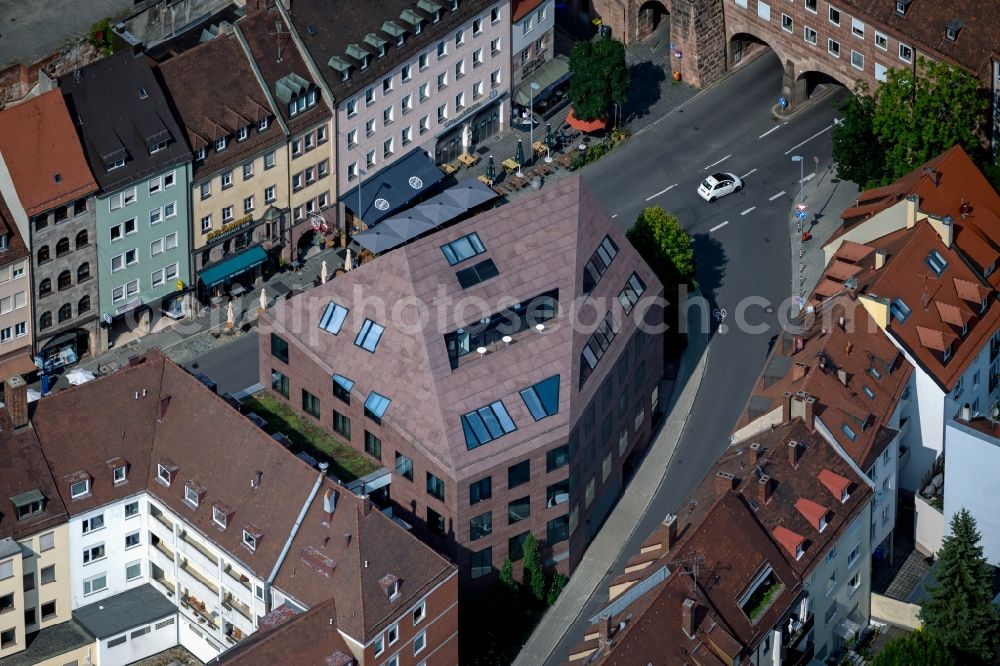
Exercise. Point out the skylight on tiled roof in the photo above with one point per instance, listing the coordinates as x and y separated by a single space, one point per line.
542 399
463 248
369 335
598 343
473 275
936 262
333 318
598 264
486 424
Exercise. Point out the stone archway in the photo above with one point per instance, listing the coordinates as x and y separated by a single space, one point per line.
811 82
651 15
743 46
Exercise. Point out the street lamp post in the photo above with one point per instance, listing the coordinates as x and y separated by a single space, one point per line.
798 158
531 118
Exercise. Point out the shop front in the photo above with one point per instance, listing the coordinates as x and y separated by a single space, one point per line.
234 254
552 77
237 272
62 349
481 121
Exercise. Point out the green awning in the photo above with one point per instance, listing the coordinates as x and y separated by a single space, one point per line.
547 76
233 266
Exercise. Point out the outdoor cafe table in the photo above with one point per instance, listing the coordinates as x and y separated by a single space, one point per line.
510 165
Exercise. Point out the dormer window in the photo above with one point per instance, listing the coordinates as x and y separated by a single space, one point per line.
249 540
118 474
345 76
117 164
437 15
242 133
382 51
219 517
800 550
364 62
394 590
844 496
157 147
263 124
165 474
191 496
822 523
951 30
947 354
417 27
200 154
454 5
390 584
902 6
28 504
79 489
220 144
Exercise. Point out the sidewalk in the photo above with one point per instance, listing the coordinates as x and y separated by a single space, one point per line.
825 197
610 541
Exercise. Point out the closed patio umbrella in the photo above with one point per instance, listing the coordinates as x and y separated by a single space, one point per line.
491 170
549 142
519 155
323 273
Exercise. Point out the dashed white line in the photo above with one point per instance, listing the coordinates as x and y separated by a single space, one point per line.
718 226
719 162
663 191
749 210
748 173
781 193
771 130
614 216
836 121
808 178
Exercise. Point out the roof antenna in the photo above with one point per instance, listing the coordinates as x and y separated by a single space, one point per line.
281 36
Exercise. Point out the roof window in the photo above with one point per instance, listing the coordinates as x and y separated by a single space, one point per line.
936 262
598 264
463 248
542 399
899 310
473 275
375 406
28 504
486 424
333 318
369 335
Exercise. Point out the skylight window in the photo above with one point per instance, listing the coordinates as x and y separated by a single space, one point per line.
899 310
375 406
936 262
486 424
598 264
629 296
333 318
463 248
369 335
599 342
851 435
542 399
473 275
868 392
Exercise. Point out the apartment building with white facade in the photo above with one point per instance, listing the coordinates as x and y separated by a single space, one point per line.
196 546
433 77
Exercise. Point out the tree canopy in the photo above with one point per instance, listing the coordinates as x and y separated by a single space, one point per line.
600 77
663 243
910 118
919 648
960 611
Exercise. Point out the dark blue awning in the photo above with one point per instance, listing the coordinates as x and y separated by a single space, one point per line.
233 266
393 187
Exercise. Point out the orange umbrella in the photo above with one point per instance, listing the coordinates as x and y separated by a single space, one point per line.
585 125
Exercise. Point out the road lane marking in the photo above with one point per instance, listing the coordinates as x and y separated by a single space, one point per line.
782 192
808 178
614 216
748 173
663 191
771 130
836 121
749 210
718 226
719 162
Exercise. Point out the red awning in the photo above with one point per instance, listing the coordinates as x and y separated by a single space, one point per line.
585 125
22 364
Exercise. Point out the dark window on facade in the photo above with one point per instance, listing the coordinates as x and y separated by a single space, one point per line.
435 487
598 264
404 466
557 493
310 403
556 458
83 272
41 221
623 369
342 388
557 530
79 207
518 474
373 445
518 510
48 610
598 343
588 454
62 213
480 490
482 563
65 312
375 406
43 254
480 526
435 521
606 430
640 377
65 280
279 348
342 425
623 405
279 383
83 305
515 546
82 239
45 321
30 617
62 247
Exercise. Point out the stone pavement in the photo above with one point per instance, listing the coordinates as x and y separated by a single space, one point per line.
621 524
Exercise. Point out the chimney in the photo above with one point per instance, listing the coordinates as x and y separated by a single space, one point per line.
724 482
798 343
687 617
880 257
947 230
764 489
965 209
912 202
821 361
329 503
794 452
808 417
842 376
604 629
366 505
670 535
17 400
966 412
799 371
255 6
754 453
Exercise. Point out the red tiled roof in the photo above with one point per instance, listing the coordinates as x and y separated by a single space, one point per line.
834 482
972 292
788 539
521 8
853 252
38 141
811 511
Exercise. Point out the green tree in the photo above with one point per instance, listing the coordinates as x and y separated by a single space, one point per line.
600 77
534 575
558 583
663 243
960 611
507 574
920 114
854 141
920 648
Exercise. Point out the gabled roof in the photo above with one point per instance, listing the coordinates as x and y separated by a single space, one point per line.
538 244
42 152
215 92
120 109
521 8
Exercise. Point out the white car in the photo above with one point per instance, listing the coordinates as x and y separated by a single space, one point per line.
719 185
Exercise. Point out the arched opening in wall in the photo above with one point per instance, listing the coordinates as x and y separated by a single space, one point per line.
743 47
818 83
653 18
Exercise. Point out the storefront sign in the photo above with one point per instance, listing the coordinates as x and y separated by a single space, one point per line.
532 65
128 307
231 228
493 96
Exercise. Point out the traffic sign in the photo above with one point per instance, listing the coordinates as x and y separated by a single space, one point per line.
801 206
800 215
782 102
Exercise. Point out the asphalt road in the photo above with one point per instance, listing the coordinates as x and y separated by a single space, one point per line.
234 366
742 247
